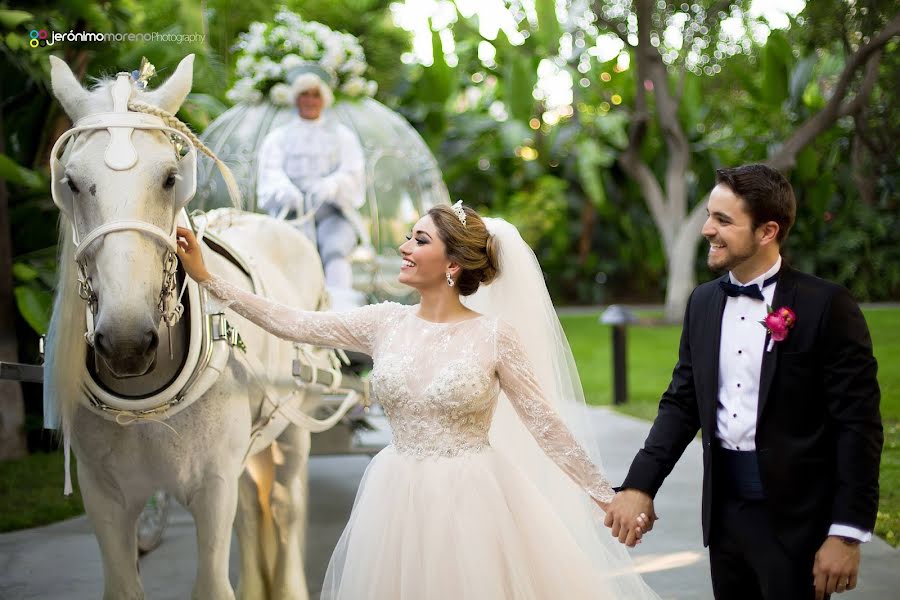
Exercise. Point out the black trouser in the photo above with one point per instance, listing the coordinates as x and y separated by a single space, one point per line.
747 560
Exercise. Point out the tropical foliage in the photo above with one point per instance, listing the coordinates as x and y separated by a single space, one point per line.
734 87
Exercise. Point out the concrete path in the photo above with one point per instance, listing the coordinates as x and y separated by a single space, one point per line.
62 560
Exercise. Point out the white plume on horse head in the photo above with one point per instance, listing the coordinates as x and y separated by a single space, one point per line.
172 93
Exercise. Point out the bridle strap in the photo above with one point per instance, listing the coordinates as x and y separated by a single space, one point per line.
168 238
90 124
130 119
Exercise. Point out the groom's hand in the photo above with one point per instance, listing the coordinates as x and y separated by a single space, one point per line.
623 513
836 567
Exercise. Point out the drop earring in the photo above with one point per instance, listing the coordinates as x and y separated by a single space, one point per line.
450 281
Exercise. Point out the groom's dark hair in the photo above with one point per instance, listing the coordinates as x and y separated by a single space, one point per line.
766 193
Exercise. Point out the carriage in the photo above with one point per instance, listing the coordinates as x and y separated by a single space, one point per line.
403 179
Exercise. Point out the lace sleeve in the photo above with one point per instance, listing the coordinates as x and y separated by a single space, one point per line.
351 330
519 383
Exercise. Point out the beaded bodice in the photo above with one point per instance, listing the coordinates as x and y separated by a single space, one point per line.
449 411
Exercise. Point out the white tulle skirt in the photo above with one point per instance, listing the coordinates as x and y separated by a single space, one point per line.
462 528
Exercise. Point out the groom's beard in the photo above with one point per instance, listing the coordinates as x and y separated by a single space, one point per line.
729 257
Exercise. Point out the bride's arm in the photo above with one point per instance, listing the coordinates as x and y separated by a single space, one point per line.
519 383
351 330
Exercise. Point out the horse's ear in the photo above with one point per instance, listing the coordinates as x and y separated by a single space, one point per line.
74 99
172 93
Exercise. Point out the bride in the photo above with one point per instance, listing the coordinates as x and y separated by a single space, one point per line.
464 503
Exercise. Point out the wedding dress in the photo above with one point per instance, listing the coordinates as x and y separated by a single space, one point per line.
440 514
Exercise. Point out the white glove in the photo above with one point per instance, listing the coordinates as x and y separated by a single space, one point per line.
324 189
284 200
289 199
297 201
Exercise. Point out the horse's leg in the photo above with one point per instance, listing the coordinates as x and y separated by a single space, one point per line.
289 504
213 504
113 512
254 527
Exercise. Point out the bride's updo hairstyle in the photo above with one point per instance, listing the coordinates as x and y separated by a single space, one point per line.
475 250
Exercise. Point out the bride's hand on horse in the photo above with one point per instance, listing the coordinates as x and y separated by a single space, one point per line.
190 256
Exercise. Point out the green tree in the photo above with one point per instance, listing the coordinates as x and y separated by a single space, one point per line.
677 210
490 128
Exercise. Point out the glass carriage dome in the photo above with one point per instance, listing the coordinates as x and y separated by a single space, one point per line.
403 179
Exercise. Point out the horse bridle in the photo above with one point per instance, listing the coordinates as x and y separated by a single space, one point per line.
121 155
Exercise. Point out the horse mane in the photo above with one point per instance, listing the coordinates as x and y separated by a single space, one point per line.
65 351
101 82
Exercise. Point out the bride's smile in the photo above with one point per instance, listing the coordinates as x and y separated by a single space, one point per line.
424 259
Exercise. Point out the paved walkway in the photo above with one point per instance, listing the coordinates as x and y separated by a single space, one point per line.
62 560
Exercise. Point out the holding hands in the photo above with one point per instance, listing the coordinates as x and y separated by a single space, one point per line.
630 515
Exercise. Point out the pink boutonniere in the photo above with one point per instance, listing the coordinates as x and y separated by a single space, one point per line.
778 323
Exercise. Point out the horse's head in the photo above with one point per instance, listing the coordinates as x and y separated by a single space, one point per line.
96 187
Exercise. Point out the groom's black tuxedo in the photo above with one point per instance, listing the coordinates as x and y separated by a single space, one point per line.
818 432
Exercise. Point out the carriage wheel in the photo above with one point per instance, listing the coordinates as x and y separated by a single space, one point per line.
152 522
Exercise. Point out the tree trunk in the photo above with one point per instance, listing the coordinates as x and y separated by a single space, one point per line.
666 197
861 170
13 443
588 218
681 256
682 281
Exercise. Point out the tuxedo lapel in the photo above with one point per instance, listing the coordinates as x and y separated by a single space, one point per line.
711 379
785 292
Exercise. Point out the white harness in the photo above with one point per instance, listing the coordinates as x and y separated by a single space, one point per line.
208 349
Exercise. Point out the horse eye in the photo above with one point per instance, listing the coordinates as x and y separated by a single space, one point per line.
170 181
71 185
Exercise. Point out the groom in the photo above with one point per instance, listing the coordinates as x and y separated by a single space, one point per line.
791 429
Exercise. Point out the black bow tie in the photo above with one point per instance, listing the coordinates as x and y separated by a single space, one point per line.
752 291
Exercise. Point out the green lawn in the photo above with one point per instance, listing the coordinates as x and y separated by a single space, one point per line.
653 350
31 492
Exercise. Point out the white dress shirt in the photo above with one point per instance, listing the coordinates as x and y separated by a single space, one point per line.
741 351
740 362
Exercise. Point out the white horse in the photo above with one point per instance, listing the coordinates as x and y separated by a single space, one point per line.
197 455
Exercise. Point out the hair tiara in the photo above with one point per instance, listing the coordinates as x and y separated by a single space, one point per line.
460 213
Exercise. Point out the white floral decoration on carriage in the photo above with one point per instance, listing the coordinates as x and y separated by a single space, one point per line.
268 52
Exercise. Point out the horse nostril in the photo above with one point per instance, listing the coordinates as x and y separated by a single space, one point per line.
100 345
151 341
